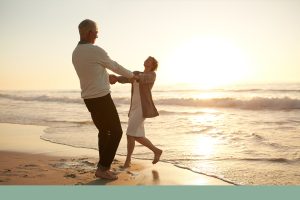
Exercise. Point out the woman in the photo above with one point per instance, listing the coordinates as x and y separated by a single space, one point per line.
141 107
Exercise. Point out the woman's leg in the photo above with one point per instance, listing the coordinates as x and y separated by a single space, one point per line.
130 148
147 143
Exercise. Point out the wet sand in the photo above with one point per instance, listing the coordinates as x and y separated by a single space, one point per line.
25 159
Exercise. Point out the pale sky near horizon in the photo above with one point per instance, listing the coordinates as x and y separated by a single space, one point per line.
205 42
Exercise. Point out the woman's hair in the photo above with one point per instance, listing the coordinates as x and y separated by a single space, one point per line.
154 62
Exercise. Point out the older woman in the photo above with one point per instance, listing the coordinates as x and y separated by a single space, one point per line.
141 107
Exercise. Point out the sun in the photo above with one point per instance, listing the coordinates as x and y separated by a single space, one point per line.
207 62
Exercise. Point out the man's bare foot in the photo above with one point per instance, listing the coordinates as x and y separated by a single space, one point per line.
107 174
157 155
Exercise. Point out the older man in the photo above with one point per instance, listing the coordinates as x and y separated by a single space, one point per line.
90 62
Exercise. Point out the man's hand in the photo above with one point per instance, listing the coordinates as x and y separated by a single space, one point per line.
112 79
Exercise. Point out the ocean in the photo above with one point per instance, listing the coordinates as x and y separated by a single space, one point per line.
246 134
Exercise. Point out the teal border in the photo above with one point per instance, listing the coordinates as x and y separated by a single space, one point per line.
150 192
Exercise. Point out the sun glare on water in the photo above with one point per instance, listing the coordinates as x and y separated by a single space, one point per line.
208 62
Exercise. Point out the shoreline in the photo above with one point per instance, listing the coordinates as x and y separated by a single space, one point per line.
28 160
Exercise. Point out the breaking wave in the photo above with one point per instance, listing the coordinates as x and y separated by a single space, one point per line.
256 103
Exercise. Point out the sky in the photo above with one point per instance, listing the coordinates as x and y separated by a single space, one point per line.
201 42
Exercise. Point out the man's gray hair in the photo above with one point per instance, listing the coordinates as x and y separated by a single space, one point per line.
85 26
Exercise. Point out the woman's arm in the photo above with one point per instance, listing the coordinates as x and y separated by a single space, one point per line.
146 77
123 79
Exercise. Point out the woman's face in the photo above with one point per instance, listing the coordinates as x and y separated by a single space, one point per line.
148 64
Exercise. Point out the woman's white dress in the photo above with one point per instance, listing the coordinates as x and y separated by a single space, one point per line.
136 120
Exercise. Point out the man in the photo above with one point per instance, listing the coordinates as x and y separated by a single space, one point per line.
90 62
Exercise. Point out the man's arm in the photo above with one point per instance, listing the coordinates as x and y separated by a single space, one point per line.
122 79
106 62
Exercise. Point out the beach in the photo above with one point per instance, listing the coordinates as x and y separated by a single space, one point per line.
25 159
246 135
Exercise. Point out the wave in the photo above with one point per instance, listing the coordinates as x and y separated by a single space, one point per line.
228 90
79 123
268 89
46 98
256 103
261 159
260 90
166 112
262 140
42 98
206 174
276 160
88 122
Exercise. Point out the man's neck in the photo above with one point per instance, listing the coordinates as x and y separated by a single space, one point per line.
84 42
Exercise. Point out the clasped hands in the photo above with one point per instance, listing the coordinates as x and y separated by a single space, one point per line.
113 78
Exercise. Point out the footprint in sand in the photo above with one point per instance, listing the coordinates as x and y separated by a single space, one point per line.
88 163
4 180
30 165
83 158
132 173
70 175
7 171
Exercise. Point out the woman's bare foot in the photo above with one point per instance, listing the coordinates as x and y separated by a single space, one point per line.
127 163
157 155
107 174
